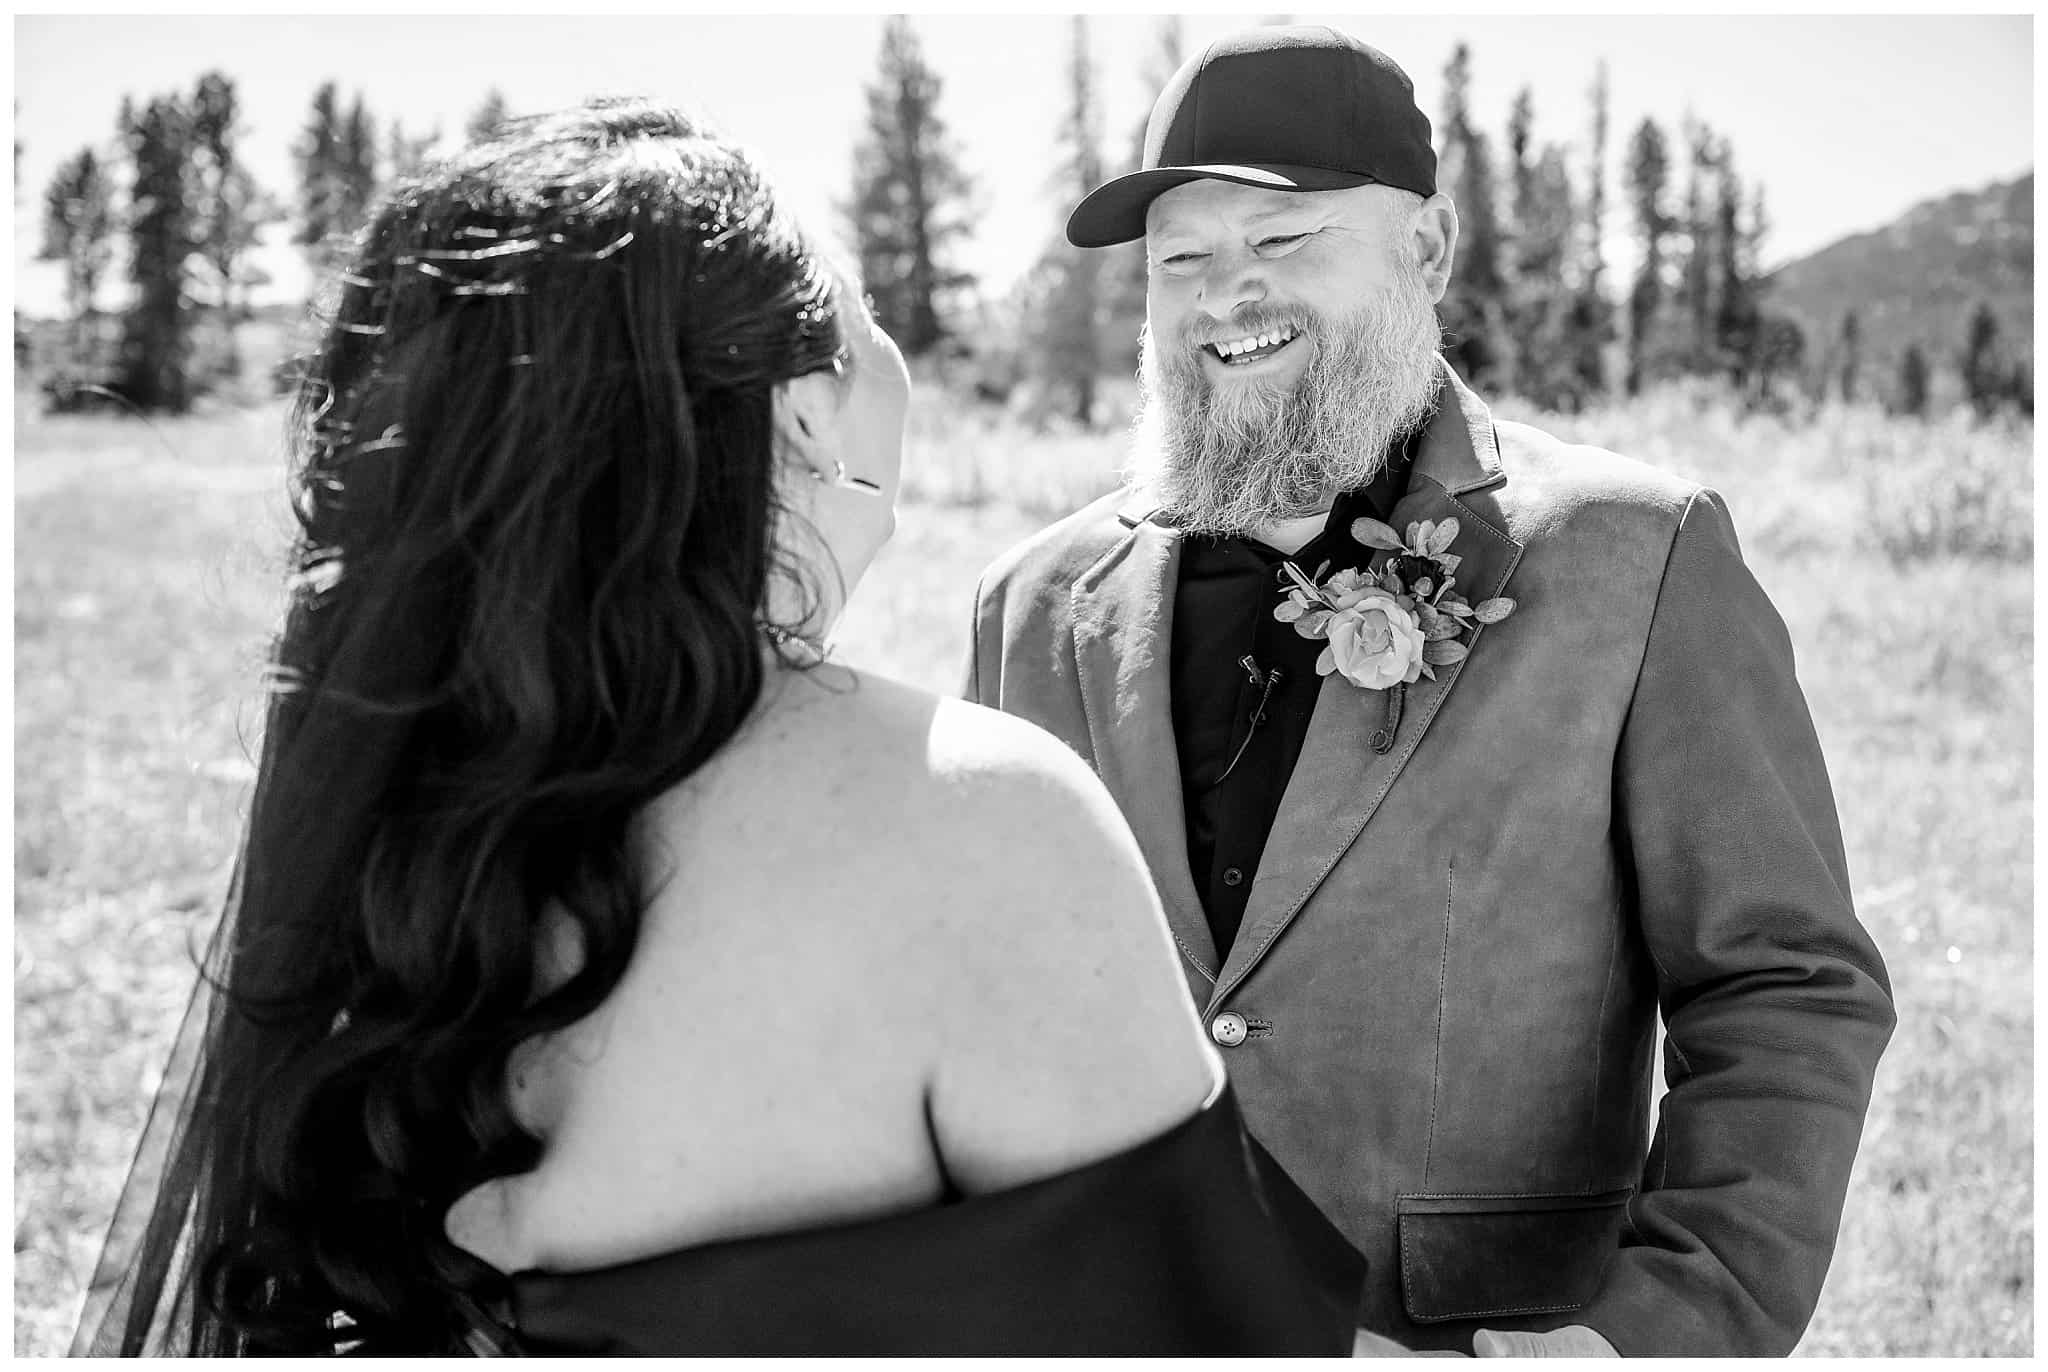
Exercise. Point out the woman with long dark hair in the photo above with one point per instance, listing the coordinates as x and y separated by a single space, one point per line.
603 970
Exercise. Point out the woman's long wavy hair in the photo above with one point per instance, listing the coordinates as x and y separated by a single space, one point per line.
536 495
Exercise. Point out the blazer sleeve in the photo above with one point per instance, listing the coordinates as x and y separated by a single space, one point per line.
983 683
1775 1002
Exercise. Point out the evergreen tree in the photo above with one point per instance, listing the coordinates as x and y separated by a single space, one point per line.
1780 355
484 120
1696 277
1986 378
78 230
156 340
1912 399
1472 307
1648 175
1591 326
357 166
337 159
1069 334
1520 302
910 193
1539 303
1851 353
229 210
1124 266
1546 299
322 195
1736 271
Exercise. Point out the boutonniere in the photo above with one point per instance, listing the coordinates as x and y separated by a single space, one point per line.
1398 619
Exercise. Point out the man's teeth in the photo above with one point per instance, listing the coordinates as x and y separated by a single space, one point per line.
1269 339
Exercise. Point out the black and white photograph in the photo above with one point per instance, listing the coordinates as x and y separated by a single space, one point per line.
1116 684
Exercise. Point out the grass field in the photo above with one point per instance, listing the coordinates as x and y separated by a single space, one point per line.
1900 556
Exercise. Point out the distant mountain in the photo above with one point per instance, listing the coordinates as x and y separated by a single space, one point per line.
1920 278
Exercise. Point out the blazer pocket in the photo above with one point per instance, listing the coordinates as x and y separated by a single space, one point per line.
1468 1257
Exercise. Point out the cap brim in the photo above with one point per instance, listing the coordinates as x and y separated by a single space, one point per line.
1114 212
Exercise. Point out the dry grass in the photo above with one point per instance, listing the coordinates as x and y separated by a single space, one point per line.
144 594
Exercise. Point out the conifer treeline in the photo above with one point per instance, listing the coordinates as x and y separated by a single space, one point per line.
175 193
1535 308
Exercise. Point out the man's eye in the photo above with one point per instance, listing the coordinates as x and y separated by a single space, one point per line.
1182 259
1280 240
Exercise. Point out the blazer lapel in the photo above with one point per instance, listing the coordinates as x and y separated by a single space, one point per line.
1339 781
1122 615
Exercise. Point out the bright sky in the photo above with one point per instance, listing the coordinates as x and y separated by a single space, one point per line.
1847 120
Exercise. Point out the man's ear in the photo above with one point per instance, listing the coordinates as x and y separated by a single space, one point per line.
806 409
1436 242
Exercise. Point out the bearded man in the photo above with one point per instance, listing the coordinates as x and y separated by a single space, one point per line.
1459 755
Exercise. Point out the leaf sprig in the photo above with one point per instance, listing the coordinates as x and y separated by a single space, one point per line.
1419 573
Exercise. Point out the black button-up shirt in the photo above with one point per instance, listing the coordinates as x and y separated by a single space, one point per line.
1233 770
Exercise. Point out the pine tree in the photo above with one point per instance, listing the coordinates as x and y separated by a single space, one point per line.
357 166
1472 307
1539 295
1546 297
1696 304
1520 304
156 339
78 230
910 193
337 159
1780 354
1591 325
1986 379
1913 379
1125 269
322 213
1069 336
1736 271
229 210
1851 353
484 120
1648 174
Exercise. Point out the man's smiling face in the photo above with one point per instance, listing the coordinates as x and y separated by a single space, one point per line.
1290 343
1246 275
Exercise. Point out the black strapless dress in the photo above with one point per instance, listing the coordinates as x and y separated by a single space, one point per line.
1194 1243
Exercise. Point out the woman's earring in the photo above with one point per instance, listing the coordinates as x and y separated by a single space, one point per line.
841 481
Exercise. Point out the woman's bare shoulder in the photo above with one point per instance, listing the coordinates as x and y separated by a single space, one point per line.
1021 899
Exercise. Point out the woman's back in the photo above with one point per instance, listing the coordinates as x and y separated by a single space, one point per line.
571 928
893 942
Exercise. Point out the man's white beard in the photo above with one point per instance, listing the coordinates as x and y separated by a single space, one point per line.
1227 459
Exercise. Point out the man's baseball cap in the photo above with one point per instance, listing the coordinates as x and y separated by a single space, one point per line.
1294 108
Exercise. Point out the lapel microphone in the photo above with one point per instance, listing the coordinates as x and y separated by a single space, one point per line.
1264 682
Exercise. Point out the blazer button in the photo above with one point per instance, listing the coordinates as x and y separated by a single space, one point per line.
1227 1029
1233 876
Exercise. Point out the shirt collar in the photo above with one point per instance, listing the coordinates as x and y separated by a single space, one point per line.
1376 498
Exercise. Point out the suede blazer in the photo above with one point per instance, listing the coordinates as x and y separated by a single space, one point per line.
1456 950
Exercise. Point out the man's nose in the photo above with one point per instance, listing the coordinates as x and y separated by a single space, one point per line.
1233 280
